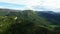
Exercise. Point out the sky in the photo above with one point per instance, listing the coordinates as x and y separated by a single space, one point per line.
39 5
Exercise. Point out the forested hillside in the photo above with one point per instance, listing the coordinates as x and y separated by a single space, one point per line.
51 16
25 22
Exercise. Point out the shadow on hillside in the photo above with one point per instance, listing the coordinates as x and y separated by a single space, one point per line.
28 29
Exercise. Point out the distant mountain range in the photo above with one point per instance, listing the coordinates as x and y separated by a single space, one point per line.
50 16
53 17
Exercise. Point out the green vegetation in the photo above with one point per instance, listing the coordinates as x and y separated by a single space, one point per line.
26 22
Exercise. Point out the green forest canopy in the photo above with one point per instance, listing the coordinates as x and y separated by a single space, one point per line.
26 21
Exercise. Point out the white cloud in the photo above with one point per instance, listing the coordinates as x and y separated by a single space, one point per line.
48 4
52 3
28 3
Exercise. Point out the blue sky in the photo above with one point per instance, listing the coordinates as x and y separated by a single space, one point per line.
40 5
11 6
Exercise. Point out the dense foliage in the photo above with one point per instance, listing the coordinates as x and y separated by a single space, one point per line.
25 22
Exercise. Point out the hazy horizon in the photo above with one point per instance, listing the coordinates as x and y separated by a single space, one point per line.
38 5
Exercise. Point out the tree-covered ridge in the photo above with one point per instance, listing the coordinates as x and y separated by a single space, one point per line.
25 22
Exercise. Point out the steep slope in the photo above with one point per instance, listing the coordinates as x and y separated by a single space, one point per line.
26 21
